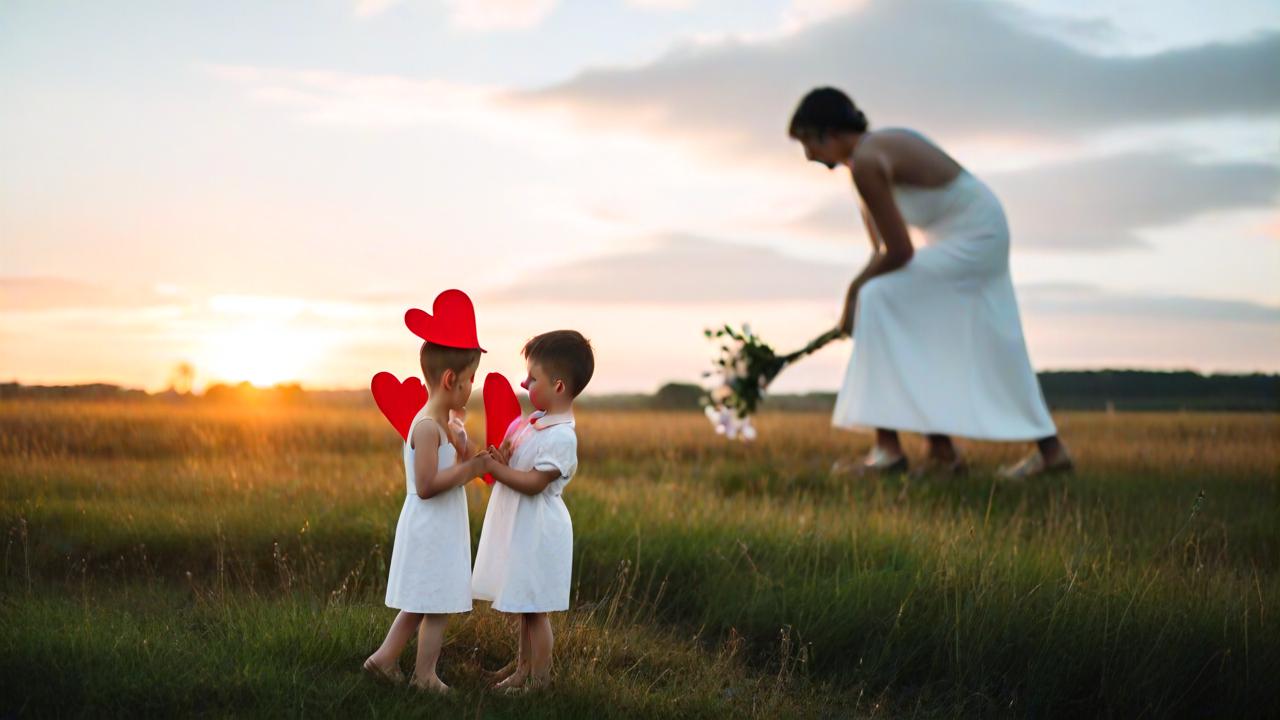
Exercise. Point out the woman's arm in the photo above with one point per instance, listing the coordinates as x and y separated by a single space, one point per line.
875 184
428 480
884 222
877 245
873 234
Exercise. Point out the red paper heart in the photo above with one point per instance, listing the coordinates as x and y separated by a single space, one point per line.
398 401
451 322
501 409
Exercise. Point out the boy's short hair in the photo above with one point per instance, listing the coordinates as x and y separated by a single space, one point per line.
436 359
566 354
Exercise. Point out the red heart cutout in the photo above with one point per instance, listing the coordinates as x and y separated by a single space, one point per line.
501 409
451 322
418 322
398 401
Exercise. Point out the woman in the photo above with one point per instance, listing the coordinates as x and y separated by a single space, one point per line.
938 346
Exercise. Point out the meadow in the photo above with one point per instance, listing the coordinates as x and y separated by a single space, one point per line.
229 560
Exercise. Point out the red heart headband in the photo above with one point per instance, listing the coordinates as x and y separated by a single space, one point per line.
452 321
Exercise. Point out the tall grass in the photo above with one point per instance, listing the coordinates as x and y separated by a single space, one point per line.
247 547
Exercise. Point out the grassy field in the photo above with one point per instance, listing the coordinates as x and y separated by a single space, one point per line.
186 559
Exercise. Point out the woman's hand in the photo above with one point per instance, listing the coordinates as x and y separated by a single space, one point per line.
845 326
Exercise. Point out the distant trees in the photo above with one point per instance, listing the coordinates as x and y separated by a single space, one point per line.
1064 390
1146 390
91 391
678 396
1068 390
247 392
182 378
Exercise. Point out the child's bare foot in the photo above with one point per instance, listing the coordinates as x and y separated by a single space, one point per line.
382 673
513 681
432 683
503 672
538 682
529 684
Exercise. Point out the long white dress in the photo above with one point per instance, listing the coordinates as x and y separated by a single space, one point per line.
938 344
431 559
525 559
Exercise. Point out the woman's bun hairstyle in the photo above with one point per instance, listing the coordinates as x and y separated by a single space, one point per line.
825 110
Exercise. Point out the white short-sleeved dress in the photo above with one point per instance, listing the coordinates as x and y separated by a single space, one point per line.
431 559
525 559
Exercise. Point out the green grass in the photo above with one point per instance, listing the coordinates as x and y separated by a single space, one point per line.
231 561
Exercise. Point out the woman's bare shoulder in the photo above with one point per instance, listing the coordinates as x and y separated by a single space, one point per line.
910 157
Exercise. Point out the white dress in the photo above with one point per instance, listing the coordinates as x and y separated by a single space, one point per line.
938 344
431 559
525 558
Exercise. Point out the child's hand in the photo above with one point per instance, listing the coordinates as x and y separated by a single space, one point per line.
457 426
497 456
489 462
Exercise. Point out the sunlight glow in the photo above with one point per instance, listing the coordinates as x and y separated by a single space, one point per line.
260 342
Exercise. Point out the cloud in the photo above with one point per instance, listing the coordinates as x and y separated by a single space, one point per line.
957 70
478 15
370 8
350 99
1076 326
679 270
1101 204
1097 204
664 5
687 270
798 14
500 14
1272 228
1087 300
32 294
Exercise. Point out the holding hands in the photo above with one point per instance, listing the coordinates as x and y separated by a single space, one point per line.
495 457
496 460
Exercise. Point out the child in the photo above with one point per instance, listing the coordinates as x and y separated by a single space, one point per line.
525 557
430 573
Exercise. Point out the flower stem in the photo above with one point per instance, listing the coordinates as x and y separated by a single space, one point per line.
813 346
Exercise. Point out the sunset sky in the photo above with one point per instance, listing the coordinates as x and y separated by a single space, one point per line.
262 188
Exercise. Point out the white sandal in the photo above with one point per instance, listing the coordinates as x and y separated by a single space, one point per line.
1034 466
881 462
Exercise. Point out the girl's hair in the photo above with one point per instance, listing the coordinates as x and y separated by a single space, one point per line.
825 110
436 359
566 354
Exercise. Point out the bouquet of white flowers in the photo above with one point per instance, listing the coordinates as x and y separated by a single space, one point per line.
744 369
